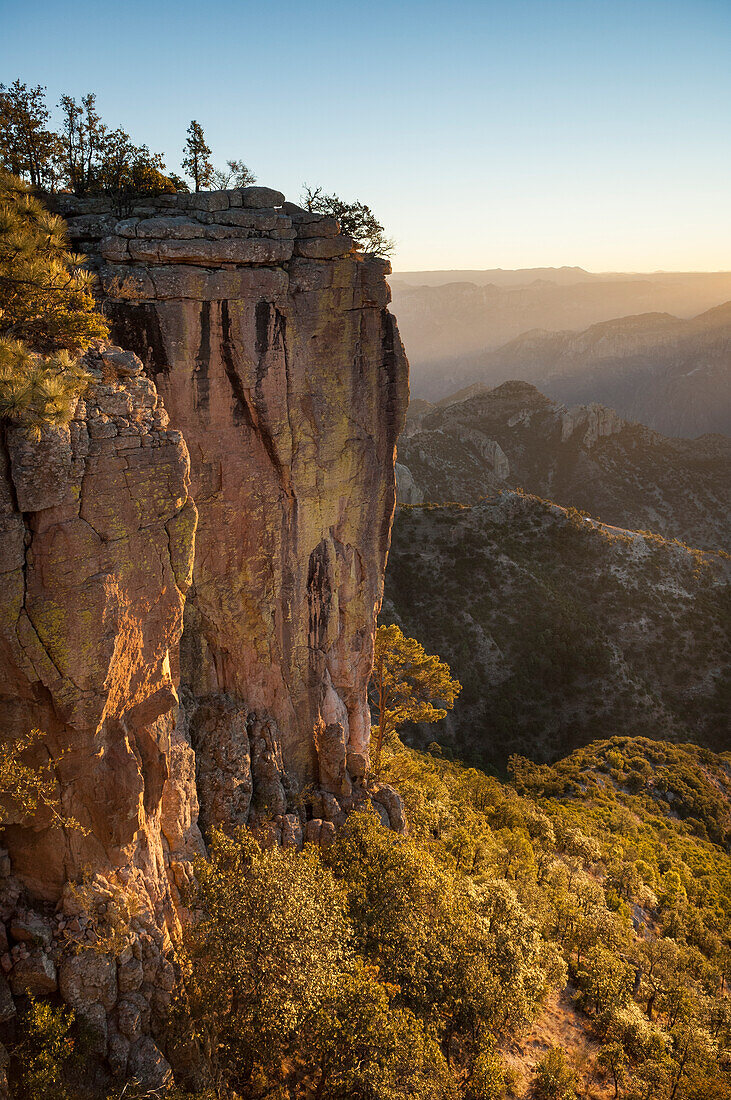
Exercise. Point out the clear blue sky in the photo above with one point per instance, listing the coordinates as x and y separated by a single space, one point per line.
513 134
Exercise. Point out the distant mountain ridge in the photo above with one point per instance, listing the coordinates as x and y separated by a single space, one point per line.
499 276
661 328
670 373
482 440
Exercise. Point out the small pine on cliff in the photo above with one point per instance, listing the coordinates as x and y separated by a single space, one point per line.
48 315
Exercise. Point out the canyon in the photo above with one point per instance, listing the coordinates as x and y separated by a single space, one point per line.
481 440
191 576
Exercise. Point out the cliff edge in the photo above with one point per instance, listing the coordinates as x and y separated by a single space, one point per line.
197 662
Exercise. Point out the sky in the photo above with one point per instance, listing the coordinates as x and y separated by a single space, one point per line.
525 133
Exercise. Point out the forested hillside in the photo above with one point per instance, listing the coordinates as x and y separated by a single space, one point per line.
560 629
562 936
585 457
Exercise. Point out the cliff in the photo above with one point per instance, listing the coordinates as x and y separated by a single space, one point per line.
269 340
266 339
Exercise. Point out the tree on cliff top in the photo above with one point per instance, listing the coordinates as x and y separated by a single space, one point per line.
27 146
355 218
235 174
95 158
408 685
48 315
196 161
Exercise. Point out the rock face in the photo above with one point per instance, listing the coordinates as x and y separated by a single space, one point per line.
193 664
97 551
269 339
407 490
96 543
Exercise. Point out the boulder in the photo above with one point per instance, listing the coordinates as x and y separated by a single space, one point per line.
323 248
34 973
93 1019
386 796
88 978
7 1004
257 197
149 1068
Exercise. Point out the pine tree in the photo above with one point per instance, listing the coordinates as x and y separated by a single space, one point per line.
196 161
408 685
355 218
27 147
48 315
83 139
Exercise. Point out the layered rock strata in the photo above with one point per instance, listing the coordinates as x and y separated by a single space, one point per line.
269 338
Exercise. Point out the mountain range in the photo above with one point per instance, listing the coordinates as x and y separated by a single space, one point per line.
482 440
657 348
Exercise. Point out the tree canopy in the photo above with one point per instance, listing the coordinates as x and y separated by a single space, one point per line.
87 156
355 218
407 685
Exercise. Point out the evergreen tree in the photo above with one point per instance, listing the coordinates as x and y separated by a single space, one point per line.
196 161
47 312
28 148
83 139
355 218
408 685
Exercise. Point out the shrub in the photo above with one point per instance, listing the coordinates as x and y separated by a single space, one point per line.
554 1079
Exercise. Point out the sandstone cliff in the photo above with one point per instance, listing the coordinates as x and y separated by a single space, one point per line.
268 339
270 342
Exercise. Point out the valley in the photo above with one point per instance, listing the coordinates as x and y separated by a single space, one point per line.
472 444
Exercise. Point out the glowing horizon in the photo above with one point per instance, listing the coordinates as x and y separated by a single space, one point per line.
544 133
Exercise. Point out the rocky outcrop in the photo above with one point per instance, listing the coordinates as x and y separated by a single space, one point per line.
192 666
477 443
97 553
269 338
407 491
591 422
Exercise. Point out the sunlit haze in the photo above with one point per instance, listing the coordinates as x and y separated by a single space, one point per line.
532 133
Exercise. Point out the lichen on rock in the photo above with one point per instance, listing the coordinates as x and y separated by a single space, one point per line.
228 477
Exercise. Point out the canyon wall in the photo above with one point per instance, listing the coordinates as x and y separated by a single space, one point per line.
269 339
255 523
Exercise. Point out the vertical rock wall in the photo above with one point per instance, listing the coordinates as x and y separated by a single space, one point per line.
96 545
270 341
